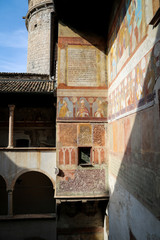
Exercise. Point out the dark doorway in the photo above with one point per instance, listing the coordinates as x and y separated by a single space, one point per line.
33 194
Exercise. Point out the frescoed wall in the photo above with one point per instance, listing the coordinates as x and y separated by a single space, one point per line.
137 88
81 116
128 32
133 114
65 108
82 108
100 108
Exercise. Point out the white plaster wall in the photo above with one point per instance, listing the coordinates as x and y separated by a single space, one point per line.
13 163
126 213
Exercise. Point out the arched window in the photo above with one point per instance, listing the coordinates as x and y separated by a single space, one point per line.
3 197
33 194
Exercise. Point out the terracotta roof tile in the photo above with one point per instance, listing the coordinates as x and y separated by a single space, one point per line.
34 86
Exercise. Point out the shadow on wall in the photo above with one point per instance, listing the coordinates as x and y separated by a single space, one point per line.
87 18
77 220
134 157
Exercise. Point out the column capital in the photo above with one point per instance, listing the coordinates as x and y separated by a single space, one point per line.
11 107
10 191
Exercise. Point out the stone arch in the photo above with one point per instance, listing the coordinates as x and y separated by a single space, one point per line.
29 170
33 194
3 196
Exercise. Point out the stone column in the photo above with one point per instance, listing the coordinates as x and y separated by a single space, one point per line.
11 124
10 202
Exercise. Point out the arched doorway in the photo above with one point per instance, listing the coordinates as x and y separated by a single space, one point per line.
33 194
3 197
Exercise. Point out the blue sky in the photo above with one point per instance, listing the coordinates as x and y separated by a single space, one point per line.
13 36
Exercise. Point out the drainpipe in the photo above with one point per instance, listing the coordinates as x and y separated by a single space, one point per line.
53 46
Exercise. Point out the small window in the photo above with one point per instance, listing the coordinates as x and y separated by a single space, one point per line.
22 143
84 156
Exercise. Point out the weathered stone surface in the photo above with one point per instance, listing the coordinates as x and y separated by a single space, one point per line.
85 182
38 59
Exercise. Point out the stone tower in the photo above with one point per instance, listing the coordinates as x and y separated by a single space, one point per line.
38 23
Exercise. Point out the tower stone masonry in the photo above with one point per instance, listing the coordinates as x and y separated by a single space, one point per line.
38 23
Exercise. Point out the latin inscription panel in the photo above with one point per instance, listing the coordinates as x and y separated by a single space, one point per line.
81 66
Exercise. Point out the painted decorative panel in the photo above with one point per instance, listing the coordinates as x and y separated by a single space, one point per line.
128 33
65 108
137 88
93 108
67 156
82 108
99 155
85 134
99 108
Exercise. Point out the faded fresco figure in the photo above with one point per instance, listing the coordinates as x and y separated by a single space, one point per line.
100 108
113 61
139 91
128 33
82 110
123 103
65 108
100 112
